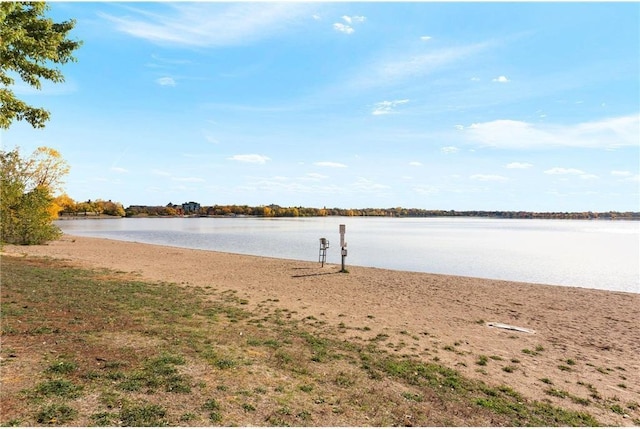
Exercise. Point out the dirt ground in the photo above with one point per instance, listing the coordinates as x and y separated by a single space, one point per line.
584 342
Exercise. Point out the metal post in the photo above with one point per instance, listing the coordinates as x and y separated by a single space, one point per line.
343 245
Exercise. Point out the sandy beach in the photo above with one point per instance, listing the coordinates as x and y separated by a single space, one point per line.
584 341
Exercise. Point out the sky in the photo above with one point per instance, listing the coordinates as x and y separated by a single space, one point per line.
444 105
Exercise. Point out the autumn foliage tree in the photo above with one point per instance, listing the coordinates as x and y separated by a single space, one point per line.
27 206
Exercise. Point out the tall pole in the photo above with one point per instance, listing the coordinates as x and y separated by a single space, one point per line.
343 246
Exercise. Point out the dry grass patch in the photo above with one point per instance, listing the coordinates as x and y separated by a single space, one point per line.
97 348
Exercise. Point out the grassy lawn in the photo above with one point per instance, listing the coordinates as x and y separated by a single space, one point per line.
99 348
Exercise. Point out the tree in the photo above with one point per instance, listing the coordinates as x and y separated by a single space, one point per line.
27 207
66 204
30 44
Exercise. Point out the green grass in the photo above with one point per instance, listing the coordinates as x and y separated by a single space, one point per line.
58 387
482 360
110 350
55 415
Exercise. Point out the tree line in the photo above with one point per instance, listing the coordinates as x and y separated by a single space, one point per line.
274 210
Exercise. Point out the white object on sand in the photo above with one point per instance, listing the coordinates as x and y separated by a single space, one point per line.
510 327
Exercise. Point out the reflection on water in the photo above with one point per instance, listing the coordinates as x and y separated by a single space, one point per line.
594 254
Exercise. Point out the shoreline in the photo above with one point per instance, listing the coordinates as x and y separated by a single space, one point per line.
452 319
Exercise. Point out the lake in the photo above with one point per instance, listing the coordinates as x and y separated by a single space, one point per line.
593 254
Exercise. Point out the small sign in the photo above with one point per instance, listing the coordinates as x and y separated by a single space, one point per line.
342 231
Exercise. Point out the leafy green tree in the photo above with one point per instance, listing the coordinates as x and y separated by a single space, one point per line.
34 224
30 46
26 187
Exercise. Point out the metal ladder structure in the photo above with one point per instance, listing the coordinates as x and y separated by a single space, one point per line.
322 256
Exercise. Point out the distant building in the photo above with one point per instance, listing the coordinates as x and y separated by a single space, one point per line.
190 207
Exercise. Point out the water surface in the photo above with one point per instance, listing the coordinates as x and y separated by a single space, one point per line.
593 254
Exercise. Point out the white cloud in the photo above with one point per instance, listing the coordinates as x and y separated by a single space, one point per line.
342 28
160 172
415 164
501 79
396 68
425 38
621 173
626 176
166 81
564 171
449 149
366 185
119 170
211 24
329 164
488 178
475 79
519 165
386 107
426 190
352 19
188 179
571 172
561 170
315 176
250 158
606 133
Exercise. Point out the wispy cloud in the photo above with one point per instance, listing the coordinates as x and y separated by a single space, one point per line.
501 79
330 164
250 158
160 172
425 38
488 178
366 185
119 170
386 107
519 165
315 176
426 190
449 149
354 19
211 24
398 67
211 139
166 81
188 179
570 172
622 173
563 171
509 134
415 164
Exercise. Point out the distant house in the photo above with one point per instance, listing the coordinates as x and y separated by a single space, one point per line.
191 207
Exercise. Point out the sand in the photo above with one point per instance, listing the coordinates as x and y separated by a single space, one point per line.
584 341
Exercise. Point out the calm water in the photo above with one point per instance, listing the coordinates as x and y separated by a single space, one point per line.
593 254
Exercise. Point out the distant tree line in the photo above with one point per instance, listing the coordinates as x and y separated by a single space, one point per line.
274 210
67 207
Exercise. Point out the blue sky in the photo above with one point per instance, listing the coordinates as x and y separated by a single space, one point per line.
464 106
